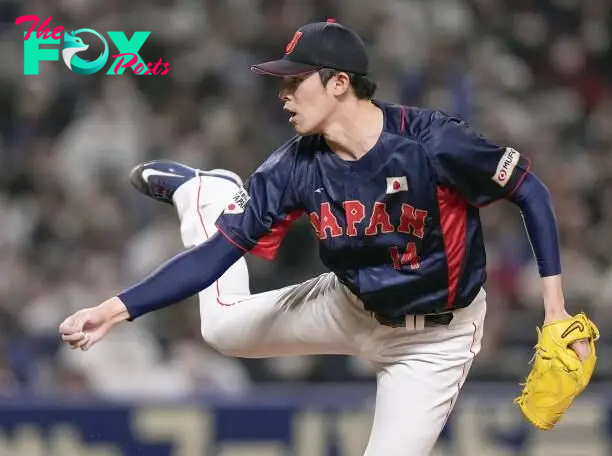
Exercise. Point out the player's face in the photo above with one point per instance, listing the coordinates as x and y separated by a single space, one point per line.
308 103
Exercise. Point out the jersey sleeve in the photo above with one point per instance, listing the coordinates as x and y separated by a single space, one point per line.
258 216
481 170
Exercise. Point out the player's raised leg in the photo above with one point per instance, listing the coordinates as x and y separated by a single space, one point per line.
419 378
199 197
315 317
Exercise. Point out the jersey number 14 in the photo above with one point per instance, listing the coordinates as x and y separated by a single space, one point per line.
409 256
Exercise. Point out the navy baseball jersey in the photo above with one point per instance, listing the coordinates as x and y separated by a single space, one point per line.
400 227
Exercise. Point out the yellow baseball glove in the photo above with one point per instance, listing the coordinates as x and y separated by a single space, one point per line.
558 376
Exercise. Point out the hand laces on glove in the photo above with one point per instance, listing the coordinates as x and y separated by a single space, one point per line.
539 350
519 400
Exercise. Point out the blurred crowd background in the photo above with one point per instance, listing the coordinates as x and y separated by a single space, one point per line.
534 74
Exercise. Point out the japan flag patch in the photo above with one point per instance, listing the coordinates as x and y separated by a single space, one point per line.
238 203
397 184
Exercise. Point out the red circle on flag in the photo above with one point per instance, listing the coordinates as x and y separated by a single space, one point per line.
396 185
231 207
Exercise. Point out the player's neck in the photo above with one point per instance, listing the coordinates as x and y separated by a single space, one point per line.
354 129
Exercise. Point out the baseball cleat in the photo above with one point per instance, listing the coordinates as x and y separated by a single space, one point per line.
159 179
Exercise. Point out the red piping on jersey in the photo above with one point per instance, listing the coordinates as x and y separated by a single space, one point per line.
453 220
268 245
231 241
402 127
520 181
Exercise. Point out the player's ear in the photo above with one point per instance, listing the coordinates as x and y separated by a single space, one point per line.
341 83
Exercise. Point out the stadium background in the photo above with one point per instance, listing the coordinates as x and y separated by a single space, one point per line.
535 74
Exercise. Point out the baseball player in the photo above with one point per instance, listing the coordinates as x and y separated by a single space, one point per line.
393 195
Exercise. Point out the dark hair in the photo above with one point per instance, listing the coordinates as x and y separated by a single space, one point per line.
363 87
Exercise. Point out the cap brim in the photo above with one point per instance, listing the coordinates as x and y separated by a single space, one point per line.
283 67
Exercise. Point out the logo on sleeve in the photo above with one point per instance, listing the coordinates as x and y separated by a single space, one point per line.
506 166
238 203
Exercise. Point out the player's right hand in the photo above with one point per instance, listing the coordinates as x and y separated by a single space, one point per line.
88 326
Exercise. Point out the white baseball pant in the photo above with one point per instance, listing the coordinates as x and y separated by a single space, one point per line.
420 371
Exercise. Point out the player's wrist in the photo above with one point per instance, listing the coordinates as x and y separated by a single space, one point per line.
554 302
114 310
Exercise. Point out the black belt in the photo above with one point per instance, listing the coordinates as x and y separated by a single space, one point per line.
431 320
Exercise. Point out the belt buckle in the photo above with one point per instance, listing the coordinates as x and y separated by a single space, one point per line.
417 321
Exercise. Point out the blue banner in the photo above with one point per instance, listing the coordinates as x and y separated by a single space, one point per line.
329 420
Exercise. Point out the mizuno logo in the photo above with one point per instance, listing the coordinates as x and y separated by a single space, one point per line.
577 325
147 173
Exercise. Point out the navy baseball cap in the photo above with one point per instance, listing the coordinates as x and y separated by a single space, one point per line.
319 45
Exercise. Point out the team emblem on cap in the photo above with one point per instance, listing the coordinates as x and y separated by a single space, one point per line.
291 44
238 203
